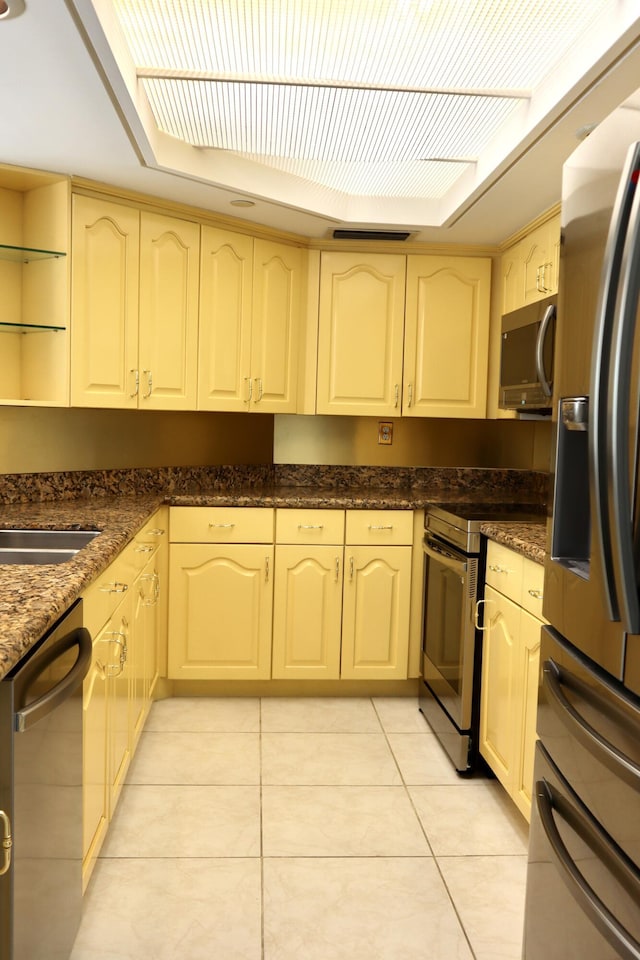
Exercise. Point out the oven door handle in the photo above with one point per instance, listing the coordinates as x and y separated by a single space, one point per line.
442 555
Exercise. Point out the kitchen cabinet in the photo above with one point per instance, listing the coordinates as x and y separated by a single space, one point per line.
221 593
134 298
377 594
446 337
307 610
510 665
529 268
403 335
250 302
360 334
34 278
120 610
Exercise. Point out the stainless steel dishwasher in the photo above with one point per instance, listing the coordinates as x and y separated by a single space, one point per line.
41 794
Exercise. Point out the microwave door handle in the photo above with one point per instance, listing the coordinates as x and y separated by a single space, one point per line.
619 457
549 314
600 373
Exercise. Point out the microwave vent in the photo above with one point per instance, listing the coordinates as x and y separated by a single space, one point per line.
371 234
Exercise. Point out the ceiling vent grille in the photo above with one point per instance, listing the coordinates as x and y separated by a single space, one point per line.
371 234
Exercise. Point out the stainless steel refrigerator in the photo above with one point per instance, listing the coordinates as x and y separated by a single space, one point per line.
583 877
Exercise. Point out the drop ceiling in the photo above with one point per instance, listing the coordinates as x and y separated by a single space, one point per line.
450 118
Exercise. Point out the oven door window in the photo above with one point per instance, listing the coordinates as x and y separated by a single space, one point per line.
449 632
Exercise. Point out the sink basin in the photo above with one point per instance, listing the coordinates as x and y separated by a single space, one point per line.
42 546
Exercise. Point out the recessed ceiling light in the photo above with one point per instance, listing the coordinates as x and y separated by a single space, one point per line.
242 203
5 9
9 11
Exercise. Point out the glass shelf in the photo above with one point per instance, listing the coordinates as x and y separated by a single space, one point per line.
28 327
27 254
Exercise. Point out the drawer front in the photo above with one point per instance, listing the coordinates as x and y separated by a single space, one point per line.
384 527
221 524
101 598
532 585
310 526
504 570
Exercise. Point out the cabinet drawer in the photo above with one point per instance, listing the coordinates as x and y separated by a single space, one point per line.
100 599
504 570
379 527
310 526
532 584
221 524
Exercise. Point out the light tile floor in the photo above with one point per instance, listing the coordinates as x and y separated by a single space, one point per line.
323 829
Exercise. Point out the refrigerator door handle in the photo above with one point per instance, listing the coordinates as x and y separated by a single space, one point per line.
545 383
548 800
600 372
619 454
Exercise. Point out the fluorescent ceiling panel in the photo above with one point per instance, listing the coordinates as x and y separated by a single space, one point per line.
368 97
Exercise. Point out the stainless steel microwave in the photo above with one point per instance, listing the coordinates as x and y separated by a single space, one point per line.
526 359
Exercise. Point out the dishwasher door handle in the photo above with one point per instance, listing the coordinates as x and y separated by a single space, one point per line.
28 716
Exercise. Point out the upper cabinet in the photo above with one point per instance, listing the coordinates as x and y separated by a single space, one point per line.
134 297
446 337
34 278
250 301
376 310
529 268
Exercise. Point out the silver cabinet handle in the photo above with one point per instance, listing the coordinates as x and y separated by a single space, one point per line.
397 395
119 637
145 396
351 567
221 526
410 391
259 385
156 532
477 611
337 576
250 382
114 587
496 569
6 844
381 526
136 381
266 569
145 548
536 594
311 526
153 579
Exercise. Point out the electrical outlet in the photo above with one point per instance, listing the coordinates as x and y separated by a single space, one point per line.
385 432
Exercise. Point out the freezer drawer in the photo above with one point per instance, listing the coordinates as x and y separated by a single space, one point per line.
583 893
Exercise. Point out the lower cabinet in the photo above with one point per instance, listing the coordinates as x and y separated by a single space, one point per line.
330 601
510 665
121 613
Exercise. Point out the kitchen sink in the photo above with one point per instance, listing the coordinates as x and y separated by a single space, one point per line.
42 546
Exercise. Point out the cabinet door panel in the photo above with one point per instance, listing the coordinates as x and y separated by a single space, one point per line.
277 291
220 611
497 705
375 635
361 324
307 612
446 336
529 666
168 338
104 303
226 282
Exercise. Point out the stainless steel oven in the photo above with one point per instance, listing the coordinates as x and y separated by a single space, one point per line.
455 552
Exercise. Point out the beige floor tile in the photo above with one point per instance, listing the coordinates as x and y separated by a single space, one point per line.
196 758
205 714
340 821
327 759
183 821
319 715
400 715
359 909
165 909
489 896
476 820
422 760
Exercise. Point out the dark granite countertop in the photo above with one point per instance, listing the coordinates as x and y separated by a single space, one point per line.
528 539
33 597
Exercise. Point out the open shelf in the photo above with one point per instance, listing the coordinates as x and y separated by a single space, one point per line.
27 254
28 327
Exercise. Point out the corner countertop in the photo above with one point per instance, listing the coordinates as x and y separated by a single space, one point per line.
33 597
528 539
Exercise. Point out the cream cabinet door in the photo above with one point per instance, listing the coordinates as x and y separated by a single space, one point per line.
307 612
104 303
446 341
168 330
277 302
95 811
498 688
528 668
220 608
224 352
360 338
375 621
512 278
